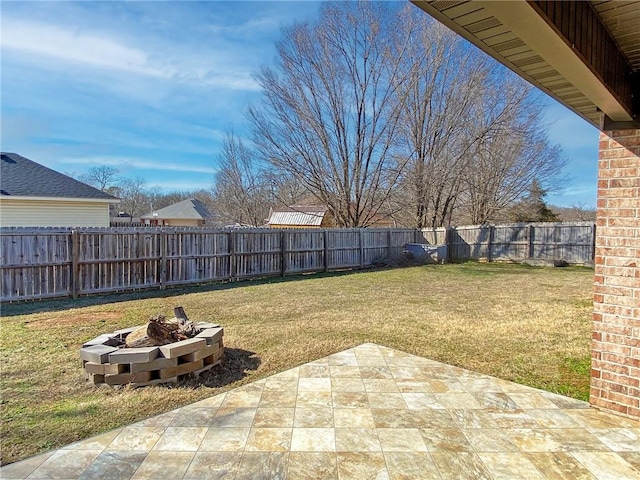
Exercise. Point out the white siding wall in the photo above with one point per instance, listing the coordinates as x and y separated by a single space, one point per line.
49 213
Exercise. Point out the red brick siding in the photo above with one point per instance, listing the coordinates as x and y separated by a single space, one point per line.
615 368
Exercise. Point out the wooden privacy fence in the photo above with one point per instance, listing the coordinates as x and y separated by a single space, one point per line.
544 242
45 263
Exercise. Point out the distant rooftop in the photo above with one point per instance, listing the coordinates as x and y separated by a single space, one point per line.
190 209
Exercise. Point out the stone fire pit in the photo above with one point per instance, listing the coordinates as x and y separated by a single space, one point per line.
106 361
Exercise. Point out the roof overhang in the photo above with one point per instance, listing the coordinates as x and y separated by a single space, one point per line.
584 54
60 199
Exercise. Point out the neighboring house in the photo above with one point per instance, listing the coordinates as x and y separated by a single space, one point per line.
188 213
301 216
32 195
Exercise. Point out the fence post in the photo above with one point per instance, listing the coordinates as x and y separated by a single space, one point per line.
531 237
361 247
593 242
326 250
75 264
232 256
163 260
491 233
389 238
283 252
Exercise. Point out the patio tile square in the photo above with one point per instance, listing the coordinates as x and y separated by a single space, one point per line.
410 465
460 466
357 440
312 466
393 418
419 401
458 400
313 440
343 360
512 418
361 465
574 439
218 465
472 418
263 466
555 418
350 400
162 420
114 465
480 384
607 465
432 418
559 466
65 464
495 400
287 384
386 400
278 398
274 418
314 399
344 371
401 440
23 468
375 373
633 458
269 440
507 466
166 465
371 361
489 440
211 402
233 417
242 399
618 439
228 439
313 417
591 418
99 442
445 440
353 418
347 384
530 401
314 385
181 439
378 385
136 438
194 417
314 371
534 440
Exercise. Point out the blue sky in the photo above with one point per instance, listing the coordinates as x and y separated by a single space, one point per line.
151 87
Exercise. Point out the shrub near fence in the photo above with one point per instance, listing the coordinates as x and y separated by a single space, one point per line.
45 263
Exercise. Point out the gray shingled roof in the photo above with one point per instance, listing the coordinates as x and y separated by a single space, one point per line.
21 177
191 209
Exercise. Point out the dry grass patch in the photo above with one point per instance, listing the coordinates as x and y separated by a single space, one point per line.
530 325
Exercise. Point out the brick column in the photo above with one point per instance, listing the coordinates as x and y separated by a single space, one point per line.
615 369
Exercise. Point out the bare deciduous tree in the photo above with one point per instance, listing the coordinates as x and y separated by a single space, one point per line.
133 198
241 191
101 177
329 114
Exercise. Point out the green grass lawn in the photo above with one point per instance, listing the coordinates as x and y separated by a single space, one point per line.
530 325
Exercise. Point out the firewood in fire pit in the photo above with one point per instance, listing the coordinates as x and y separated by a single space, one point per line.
160 331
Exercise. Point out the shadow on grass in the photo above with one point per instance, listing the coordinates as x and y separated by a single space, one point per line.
234 366
56 305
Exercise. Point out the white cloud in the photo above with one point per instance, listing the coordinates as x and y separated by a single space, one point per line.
129 162
100 50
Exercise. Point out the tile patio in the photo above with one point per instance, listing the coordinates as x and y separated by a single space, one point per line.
366 413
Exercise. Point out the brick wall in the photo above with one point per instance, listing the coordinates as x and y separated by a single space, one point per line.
615 373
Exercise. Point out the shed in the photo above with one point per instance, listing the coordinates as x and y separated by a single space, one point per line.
32 195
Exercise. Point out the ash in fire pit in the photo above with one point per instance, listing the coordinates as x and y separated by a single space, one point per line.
158 352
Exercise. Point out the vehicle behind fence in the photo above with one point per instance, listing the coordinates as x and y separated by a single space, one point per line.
62 262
